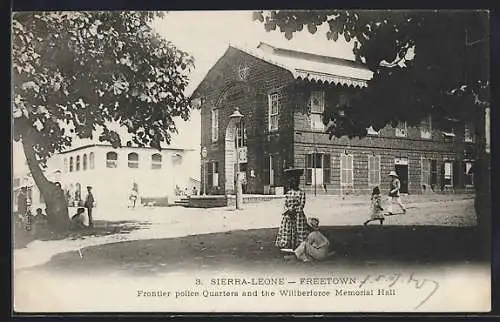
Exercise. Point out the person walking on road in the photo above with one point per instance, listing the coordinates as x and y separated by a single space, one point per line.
294 228
376 207
394 195
89 204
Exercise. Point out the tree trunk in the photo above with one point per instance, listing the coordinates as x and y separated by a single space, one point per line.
55 201
482 200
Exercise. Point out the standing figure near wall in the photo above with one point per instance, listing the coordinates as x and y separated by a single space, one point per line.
294 228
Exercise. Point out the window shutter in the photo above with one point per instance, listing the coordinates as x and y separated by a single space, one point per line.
377 173
370 170
277 170
308 169
210 176
351 170
442 176
327 172
456 174
266 170
342 169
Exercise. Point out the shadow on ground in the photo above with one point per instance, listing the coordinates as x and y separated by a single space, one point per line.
354 246
21 238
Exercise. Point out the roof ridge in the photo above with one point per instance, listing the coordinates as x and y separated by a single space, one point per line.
306 74
278 50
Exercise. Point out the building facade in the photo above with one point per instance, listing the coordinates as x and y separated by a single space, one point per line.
113 173
282 95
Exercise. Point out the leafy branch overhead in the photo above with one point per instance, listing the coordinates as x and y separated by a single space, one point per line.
74 73
423 62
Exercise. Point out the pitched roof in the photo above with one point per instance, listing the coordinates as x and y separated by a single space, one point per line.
309 66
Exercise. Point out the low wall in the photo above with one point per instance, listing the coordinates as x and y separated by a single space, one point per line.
207 201
156 202
231 200
212 201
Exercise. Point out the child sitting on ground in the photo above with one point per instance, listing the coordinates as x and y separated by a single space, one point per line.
78 220
376 207
316 245
40 217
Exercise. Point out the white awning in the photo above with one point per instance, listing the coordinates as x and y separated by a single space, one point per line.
315 70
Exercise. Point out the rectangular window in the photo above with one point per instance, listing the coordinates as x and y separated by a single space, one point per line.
346 170
215 174
448 173
274 107
468 176
426 128
318 169
448 132
402 129
468 133
241 135
373 170
317 107
215 125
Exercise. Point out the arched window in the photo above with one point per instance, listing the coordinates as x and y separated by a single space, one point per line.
111 159
133 160
69 194
91 160
70 164
84 162
78 192
156 161
77 163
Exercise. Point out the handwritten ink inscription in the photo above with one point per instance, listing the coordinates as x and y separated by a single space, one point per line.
394 280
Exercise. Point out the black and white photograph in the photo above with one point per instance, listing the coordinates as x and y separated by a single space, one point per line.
251 161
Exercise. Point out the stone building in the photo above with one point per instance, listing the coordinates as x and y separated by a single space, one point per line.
282 95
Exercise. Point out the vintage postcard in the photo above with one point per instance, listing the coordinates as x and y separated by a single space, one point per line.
251 161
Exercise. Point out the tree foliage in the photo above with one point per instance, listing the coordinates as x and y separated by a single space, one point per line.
74 73
423 62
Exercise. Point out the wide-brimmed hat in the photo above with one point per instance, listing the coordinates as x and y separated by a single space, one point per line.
313 222
393 174
294 172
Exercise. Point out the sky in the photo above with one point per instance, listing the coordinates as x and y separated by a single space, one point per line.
206 35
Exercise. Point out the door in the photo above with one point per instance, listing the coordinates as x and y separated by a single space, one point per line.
433 176
402 171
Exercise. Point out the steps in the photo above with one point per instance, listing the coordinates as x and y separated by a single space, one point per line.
184 201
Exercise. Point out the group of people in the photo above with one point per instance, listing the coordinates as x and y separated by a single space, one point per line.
78 220
28 220
186 192
301 236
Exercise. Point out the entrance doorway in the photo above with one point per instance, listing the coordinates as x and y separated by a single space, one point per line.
401 167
